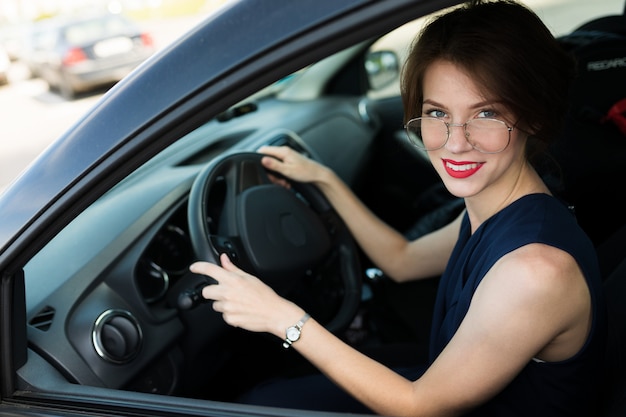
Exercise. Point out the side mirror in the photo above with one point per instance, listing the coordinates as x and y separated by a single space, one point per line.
383 68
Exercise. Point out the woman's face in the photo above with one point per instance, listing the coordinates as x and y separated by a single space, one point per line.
452 96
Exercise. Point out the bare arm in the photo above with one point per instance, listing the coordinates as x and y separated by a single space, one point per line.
389 250
534 302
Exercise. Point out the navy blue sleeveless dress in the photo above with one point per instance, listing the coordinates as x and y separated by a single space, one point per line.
567 388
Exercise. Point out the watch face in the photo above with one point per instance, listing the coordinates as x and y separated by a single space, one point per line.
293 334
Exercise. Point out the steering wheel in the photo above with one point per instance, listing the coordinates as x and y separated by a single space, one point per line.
291 239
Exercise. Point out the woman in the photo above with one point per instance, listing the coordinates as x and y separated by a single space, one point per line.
518 325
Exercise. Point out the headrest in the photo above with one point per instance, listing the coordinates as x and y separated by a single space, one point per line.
611 24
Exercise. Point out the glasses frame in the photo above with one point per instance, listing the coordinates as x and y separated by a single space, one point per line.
448 126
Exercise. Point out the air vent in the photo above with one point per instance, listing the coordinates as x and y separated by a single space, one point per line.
43 319
117 336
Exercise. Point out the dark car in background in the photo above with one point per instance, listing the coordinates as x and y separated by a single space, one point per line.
79 54
96 300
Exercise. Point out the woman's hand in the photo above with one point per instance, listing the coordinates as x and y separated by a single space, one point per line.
245 301
292 164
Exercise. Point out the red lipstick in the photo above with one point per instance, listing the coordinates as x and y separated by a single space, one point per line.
461 169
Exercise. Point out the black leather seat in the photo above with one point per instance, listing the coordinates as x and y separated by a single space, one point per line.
615 295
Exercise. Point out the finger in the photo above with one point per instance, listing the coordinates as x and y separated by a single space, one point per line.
279 181
276 151
277 157
228 317
209 269
229 266
271 163
274 164
217 306
211 292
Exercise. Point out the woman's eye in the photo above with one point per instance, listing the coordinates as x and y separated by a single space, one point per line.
489 114
436 113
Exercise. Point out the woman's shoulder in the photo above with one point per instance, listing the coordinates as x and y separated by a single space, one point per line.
538 205
535 216
544 224
542 234
539 260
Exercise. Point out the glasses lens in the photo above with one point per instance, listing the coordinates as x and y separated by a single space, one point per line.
488 135
427 133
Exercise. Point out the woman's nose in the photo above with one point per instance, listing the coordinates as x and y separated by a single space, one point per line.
457 138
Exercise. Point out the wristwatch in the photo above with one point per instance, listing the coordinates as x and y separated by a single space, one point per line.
293 333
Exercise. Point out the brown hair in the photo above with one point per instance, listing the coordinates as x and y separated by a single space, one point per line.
508 51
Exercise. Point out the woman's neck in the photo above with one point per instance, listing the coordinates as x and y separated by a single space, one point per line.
493 199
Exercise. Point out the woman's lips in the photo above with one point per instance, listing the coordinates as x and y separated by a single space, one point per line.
460 169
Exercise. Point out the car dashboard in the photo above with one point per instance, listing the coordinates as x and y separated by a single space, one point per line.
102 295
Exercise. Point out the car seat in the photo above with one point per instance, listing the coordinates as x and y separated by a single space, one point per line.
591 152
614 399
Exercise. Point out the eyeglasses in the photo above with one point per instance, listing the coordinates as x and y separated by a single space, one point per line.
485 135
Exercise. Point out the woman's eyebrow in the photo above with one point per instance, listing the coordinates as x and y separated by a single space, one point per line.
473 106
432 103
484 104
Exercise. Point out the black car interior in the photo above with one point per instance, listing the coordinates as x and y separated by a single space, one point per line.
595 125
174 344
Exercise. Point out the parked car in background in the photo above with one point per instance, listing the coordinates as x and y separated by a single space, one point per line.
96 236
75 55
